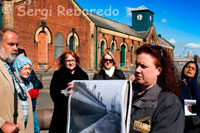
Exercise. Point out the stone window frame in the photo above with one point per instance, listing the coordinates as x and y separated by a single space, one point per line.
76 39
105 45
115 46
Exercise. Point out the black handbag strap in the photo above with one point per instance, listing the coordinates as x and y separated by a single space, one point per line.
15 115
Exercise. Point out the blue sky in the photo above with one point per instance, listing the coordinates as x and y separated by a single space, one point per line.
178 21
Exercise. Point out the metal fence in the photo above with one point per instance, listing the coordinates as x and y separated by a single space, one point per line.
131 67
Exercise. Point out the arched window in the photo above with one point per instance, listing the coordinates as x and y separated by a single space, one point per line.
58 45
72 43
123 55
113 46
102 48
43 37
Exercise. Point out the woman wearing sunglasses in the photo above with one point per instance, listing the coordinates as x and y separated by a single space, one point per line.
108 69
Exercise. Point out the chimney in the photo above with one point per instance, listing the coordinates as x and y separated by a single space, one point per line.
196 58
189 53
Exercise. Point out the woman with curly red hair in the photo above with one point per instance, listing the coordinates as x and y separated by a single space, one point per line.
156 106
69 70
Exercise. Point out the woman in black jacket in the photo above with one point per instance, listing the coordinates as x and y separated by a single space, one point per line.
108 68
156 107
190 91
62 79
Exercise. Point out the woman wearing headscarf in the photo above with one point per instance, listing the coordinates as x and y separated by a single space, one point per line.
23 68
190 91
108 69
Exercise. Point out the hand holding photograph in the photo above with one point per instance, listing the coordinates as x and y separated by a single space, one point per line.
100 106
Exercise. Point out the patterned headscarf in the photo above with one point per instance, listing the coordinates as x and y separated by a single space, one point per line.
18 64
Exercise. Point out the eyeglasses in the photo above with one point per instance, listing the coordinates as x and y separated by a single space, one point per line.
108 60
189 67
67 61
26 68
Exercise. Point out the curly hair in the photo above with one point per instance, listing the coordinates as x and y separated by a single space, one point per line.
168 80
65 55
101 64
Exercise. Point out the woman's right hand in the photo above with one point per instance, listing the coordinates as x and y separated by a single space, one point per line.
190 108
184 81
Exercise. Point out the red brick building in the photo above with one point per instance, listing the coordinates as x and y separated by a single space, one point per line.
47 28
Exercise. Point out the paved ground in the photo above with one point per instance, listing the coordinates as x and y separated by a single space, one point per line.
43 131
44 100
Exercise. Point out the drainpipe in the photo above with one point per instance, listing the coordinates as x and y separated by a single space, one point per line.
96 47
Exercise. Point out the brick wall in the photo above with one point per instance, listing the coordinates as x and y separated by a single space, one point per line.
119 40
28 17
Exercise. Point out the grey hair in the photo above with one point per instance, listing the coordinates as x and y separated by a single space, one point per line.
2 33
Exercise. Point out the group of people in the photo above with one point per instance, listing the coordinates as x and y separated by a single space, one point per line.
158 94
19 87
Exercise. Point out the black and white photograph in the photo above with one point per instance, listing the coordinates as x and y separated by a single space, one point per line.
98 106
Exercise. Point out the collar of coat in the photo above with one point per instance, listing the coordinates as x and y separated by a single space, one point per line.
149 99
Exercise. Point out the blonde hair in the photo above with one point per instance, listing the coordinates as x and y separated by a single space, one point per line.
101 64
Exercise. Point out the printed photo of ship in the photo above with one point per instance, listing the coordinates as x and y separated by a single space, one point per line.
96 106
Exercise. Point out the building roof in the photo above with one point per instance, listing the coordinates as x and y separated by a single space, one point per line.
164 43
113 25
141 8
122 28
144 34
182 59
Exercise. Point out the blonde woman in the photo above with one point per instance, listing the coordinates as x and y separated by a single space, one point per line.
108 68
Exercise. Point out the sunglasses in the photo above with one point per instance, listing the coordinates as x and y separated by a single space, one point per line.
108 60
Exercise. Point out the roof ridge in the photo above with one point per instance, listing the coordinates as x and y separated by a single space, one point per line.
109 19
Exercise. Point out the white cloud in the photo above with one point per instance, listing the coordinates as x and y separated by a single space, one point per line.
128 11
173 41
192 45
164 20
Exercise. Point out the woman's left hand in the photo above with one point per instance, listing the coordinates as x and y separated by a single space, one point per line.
70 86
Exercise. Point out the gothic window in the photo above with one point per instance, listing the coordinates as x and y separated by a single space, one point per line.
113 46
102 48
72 43
123 54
